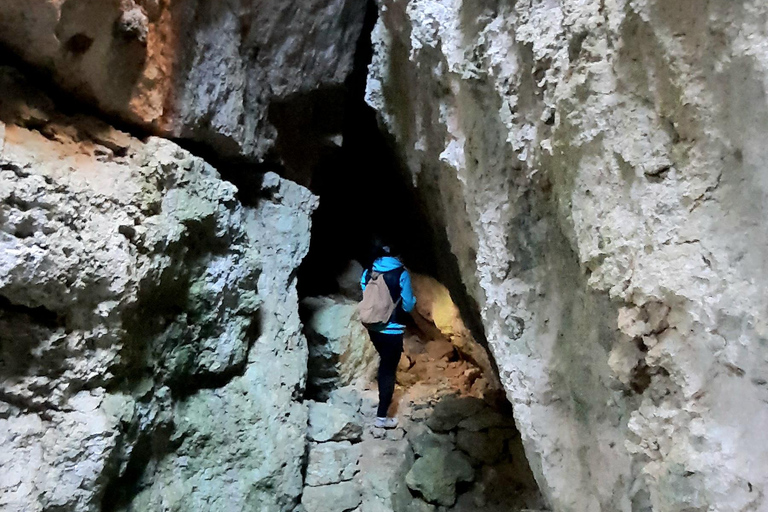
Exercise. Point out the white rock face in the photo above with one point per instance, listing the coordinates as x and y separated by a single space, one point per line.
598 170
340 349
197 70
331 463
142 308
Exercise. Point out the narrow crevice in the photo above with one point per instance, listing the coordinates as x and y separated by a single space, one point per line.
363 192
39 315
121 490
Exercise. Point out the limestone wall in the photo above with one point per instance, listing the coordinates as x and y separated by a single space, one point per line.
151 350
598 171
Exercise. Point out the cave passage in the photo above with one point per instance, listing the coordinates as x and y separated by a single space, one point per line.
448 395
363 193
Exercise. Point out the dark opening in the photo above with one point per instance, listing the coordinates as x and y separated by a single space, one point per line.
78 44
363 193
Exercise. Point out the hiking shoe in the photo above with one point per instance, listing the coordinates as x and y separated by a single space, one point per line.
385 422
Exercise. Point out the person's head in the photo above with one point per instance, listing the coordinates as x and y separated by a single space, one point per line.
379 249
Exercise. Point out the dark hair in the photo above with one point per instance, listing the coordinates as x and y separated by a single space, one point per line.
379 249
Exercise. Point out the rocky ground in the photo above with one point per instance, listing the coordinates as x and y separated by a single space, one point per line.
456 448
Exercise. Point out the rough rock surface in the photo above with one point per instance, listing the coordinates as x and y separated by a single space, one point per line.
341 497
142 309
438 315
598 171
340 350
218 73
333 422
334 434
436 474
331 463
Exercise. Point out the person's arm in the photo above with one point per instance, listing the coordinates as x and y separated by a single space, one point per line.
406 293
364 279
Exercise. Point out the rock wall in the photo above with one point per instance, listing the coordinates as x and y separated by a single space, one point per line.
152 354
215 72
597 170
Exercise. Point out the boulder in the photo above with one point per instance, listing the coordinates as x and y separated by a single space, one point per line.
487 418
332 462
349 281
348 396
341 497
331 422
451 410
382 474
422 440
436 474
340 350
483 447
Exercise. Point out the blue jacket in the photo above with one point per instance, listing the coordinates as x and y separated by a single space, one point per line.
408 301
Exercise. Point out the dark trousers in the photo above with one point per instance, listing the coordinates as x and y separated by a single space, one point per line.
389 347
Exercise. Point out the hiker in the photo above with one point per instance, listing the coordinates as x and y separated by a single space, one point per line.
382 315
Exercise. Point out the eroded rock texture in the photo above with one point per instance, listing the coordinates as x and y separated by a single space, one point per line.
340 350
227 74
597 169
152 356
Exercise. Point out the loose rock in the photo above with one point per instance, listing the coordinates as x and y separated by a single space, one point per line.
330 422
436 473
341 497
332 462
451 410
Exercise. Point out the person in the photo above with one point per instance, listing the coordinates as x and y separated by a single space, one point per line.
388 339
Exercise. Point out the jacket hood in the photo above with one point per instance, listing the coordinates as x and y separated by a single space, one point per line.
386 263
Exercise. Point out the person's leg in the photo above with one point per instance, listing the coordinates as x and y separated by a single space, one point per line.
389 347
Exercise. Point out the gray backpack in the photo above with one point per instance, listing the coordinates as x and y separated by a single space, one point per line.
377 305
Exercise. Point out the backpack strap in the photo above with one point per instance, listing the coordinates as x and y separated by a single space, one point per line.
369 274
392 278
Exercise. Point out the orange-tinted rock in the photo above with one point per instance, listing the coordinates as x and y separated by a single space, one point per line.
217 74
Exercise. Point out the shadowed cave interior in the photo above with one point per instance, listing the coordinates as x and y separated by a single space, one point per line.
454 414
